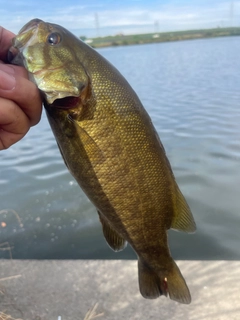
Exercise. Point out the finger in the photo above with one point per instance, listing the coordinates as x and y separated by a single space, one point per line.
5 42
14 123
27 95
13 69
23 92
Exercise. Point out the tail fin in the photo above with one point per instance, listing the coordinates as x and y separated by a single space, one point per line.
172 283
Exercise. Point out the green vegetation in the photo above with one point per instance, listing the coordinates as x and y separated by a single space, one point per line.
122 40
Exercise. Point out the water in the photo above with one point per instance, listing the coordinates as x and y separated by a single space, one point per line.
191 91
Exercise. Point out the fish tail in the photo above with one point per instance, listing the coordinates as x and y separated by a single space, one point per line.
171 283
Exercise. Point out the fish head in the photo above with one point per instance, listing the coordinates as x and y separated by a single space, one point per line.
47 52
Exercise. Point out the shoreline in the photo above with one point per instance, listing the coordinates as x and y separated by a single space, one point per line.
158 37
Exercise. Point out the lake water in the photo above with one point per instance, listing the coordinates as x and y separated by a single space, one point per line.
191 90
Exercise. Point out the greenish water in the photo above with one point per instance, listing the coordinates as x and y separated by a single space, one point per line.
191 90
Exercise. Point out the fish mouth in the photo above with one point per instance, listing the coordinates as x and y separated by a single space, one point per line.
69 102
12 53
21 40
30 25
26 51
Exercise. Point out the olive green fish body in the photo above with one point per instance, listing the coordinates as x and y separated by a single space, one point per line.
104 169
110 146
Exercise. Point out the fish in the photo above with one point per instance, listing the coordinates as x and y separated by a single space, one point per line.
110 146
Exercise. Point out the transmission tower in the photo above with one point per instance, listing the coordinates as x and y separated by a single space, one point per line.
231 13
97 25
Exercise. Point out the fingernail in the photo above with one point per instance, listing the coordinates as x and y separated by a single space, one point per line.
7 81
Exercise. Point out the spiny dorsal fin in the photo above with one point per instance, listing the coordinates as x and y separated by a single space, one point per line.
115 241
182 217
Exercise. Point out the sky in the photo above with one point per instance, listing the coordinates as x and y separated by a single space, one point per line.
93 18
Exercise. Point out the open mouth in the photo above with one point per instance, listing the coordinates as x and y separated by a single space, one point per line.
66 103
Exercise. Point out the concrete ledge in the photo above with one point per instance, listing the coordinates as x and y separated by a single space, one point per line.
66 290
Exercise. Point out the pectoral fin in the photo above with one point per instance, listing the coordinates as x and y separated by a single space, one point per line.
182 219
62 156
92 149
115 241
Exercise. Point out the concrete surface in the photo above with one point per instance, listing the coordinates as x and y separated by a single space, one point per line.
66 290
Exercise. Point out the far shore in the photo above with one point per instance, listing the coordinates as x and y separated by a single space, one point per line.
124 40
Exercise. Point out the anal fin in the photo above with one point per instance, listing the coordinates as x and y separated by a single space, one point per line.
114 240
182 218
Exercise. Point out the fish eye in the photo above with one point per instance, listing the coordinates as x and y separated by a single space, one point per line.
54 38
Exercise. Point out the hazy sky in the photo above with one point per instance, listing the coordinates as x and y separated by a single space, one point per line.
92 17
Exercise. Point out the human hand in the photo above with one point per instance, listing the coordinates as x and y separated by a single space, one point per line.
20 101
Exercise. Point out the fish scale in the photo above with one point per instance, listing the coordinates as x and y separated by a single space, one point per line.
111 147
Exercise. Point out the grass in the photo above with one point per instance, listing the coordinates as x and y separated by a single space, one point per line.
90 315
4 316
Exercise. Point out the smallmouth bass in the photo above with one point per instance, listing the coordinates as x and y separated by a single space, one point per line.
111 147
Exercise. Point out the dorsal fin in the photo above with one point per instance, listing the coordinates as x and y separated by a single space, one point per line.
182 218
